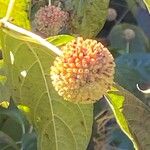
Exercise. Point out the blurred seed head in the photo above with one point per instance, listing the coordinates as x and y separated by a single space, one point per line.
112 14
129 34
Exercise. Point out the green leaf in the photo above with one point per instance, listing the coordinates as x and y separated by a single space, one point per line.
138 44
88 17
147 3
19 14
60 125
60 40
132 115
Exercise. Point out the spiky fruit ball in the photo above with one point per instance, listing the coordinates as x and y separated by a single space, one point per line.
85 71
129 34
112 14
50 20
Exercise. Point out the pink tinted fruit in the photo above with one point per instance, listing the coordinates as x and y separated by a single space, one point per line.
50 20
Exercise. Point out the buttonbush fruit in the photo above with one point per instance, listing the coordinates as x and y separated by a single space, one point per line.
50 20
85 71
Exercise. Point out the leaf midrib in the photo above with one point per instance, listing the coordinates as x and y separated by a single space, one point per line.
48 93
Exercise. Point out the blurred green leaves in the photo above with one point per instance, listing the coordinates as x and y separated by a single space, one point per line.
137 63
133 69
139 43
132 115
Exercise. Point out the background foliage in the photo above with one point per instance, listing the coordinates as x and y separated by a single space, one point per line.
56 124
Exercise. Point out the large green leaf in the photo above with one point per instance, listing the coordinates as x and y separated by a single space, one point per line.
19 14
88 16
132 115
60 125
147 3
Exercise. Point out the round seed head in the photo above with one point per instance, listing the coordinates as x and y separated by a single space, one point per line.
112 14
85 71
50 20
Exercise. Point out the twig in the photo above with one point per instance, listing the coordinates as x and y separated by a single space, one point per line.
31 129
8 25
9 9
49 2
127 47
122 17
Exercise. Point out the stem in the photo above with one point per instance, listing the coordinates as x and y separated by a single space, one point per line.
59 5
31 129
7 146
49 2
9 9
39 39
23 129
127 47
